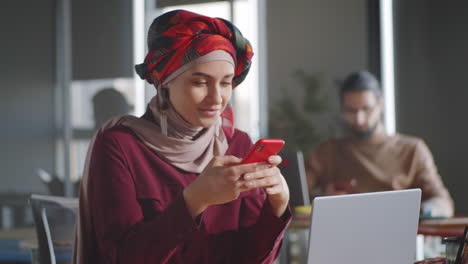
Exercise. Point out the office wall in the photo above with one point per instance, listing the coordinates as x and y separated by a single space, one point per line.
102 39
101 48
432 64
327 36
26 93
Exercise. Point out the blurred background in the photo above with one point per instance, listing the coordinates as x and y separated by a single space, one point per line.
67 66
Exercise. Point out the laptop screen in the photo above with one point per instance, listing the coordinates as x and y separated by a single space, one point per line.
368 228
293 170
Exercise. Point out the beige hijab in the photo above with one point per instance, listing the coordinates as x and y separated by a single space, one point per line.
186 147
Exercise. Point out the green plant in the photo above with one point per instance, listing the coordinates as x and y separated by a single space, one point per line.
293 121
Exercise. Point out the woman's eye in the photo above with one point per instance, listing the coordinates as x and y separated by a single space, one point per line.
226 84
199 83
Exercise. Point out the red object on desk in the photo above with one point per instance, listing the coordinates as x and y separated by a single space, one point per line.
432 261
442 231
449 227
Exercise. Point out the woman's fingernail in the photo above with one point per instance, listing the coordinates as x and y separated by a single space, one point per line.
247 176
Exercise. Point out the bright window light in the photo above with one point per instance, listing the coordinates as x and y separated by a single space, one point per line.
387 63
139 53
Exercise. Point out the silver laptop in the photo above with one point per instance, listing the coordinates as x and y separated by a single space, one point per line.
367 228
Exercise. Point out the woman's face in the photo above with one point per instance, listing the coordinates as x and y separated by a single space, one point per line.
201 93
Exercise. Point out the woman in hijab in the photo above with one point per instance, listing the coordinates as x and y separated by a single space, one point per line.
168 187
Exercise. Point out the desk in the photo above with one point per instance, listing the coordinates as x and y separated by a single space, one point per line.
16 245
441 231
22 233
432 231
11 251
449 227
428 243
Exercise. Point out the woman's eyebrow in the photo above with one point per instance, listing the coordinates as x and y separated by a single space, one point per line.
209 76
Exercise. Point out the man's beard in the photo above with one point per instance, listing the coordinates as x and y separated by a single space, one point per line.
364 134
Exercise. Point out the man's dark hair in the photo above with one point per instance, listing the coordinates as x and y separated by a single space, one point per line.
360 81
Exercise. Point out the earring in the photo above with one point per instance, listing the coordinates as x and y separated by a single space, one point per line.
163 106
163 122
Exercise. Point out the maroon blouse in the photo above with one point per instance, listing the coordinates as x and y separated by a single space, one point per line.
139 214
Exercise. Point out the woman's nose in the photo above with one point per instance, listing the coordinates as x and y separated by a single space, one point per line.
215 94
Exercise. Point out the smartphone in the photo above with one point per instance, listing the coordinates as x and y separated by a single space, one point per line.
262 150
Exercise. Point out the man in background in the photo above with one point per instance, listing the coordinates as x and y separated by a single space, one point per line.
368 159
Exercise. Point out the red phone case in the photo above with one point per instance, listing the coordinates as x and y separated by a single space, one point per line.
263 149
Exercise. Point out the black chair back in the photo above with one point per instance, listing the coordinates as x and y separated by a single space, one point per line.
55 220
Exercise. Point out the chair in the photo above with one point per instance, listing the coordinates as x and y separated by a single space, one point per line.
55 220
293 170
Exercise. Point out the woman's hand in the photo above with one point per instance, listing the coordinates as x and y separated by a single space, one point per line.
271 179
220 182
224 179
